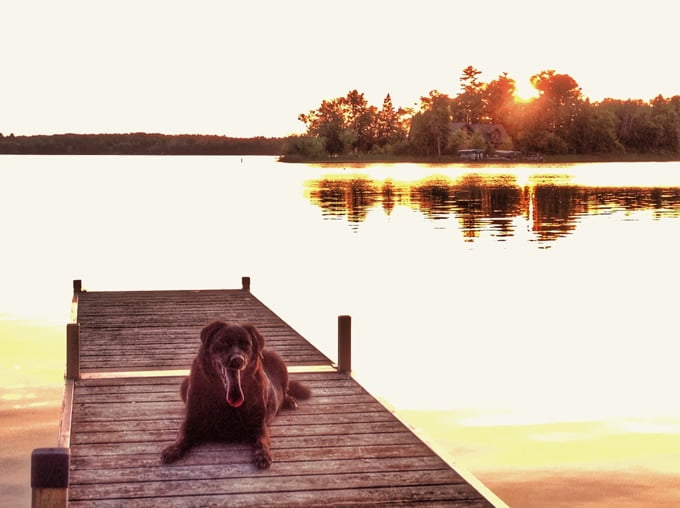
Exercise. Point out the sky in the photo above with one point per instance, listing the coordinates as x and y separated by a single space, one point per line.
246 69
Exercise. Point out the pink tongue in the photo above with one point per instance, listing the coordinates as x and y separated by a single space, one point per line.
234 393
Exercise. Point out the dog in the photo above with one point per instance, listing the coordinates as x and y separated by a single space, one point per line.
233 391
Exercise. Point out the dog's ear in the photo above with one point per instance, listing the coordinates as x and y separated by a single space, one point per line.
257 338
208 332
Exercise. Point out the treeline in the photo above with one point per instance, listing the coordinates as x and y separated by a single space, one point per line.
559 120
138 144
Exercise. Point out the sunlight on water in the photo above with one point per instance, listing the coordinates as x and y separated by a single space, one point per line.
521 316
33 354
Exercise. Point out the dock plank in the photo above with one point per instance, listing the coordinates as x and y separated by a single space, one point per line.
339 448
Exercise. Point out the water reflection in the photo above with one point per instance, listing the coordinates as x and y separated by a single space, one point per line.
339 197
549 206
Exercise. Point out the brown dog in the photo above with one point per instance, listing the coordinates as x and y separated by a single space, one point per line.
234 390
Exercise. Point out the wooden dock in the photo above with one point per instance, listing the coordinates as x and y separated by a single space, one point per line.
122 407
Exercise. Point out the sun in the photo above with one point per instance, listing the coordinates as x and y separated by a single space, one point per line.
525 91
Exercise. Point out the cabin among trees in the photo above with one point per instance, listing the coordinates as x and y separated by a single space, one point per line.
494 136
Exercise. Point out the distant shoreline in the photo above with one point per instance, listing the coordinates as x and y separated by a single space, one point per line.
213 145
448 160
139 143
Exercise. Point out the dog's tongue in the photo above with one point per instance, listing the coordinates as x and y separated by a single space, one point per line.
232 384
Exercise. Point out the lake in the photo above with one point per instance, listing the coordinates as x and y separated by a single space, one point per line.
522 318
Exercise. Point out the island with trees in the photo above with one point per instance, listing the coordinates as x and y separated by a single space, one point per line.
486 119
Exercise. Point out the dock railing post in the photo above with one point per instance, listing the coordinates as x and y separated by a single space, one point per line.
245 283
73 351
50 477
345 344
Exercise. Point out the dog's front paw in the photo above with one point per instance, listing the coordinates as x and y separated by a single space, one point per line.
172 453
263 459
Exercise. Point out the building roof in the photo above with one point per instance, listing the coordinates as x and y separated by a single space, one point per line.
493 133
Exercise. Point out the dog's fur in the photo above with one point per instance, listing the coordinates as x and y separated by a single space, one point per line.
234 390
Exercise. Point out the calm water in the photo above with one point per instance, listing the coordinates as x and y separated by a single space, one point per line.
523 317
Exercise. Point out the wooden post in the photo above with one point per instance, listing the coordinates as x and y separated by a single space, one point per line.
49 477
345 344
77 289
245 283
73 351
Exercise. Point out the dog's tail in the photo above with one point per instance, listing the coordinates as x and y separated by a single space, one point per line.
298 390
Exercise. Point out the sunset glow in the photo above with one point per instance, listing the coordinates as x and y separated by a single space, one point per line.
525 91
236 72
490 189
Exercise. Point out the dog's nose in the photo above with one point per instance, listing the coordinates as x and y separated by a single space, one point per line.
237 362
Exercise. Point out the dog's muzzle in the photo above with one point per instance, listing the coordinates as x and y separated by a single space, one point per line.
231 379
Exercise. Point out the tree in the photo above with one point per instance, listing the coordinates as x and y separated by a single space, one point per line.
388 128
458 140
469 104
303 147
666 114
593 131
642 127
360 118
558 101
327 123
500 105
344 123
431 126
546 124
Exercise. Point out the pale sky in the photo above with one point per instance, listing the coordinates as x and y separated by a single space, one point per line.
251 67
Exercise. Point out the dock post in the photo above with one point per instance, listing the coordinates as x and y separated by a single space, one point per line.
50 477
245 283
73 351
345 344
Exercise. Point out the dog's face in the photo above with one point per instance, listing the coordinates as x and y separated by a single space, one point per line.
228 350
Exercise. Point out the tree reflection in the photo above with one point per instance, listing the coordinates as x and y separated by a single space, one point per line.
554 210
433 197
351 197
488 203
391 194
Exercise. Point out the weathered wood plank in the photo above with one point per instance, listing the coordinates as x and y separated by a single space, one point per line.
143 411
235 485
358 440
312 378
220 454
247 470
340 395
285 420
288 431
437 496
322 385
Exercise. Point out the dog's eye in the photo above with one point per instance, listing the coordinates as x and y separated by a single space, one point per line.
244 344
